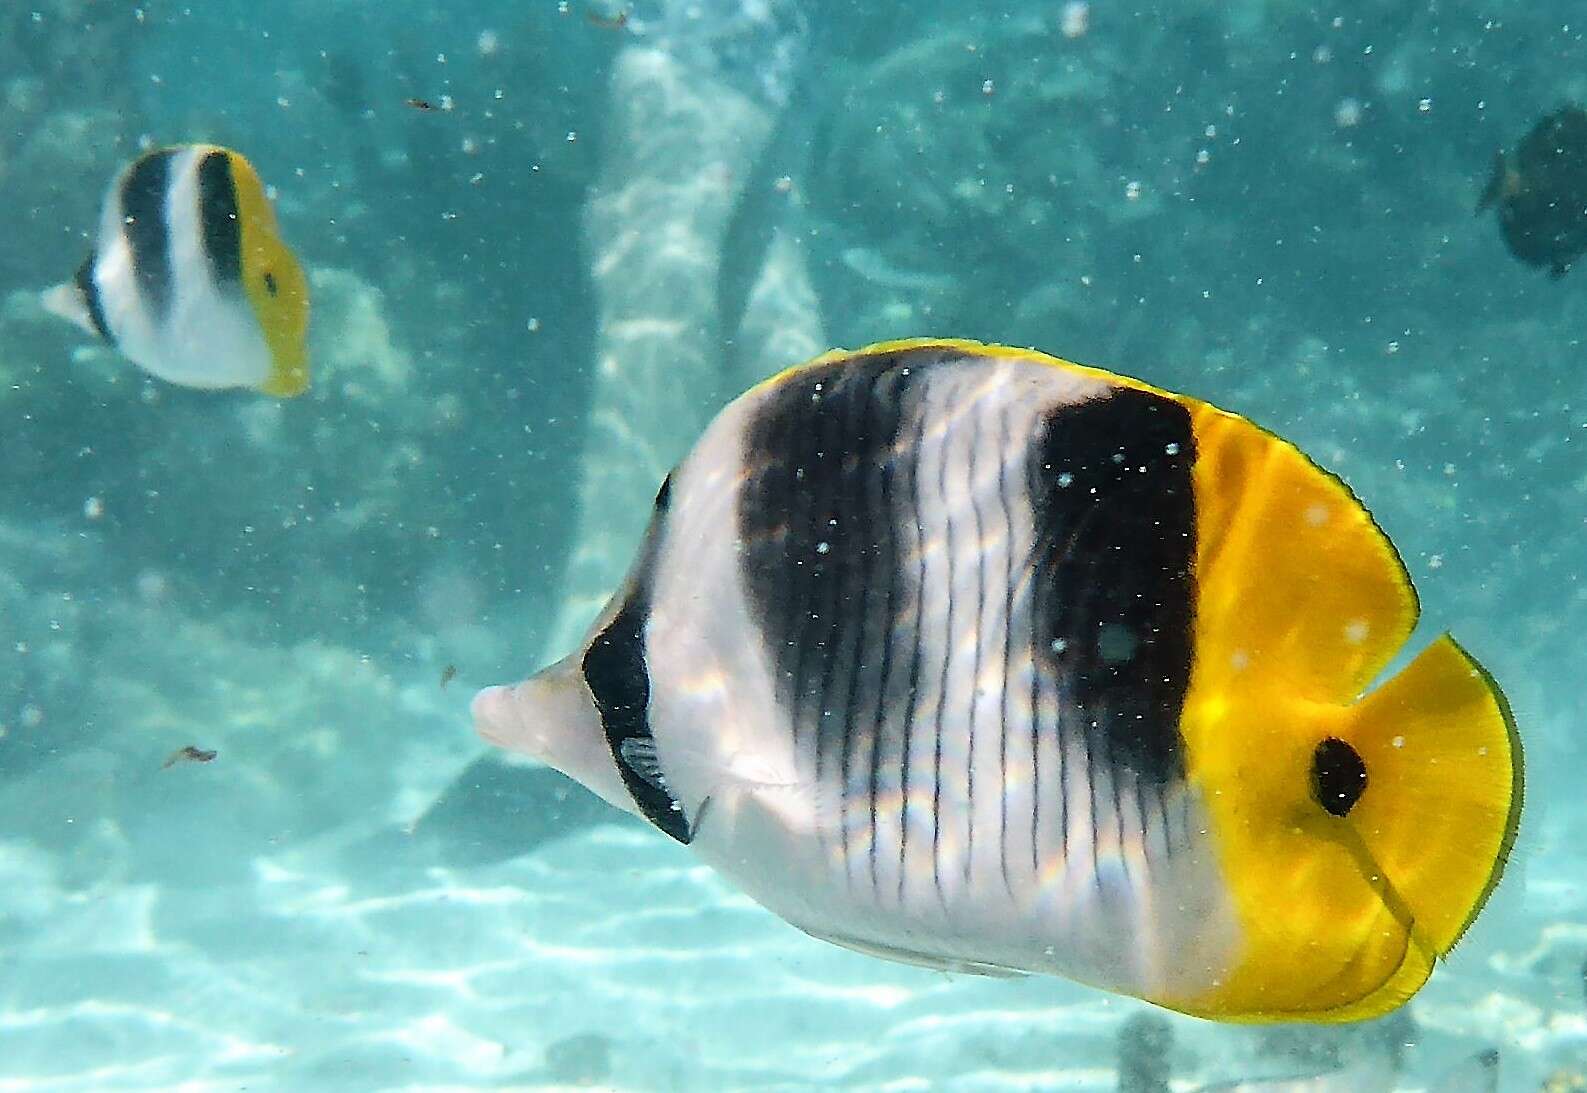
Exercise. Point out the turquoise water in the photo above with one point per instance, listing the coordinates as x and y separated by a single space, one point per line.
527 303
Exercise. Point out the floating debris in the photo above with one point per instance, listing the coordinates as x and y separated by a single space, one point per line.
190 754
448 674
1540 192
424 105
607 22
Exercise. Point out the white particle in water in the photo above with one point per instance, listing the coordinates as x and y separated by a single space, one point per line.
93 508
1356 631
1065 480
1059 645
823 547
1172 448
1398 741
986 87
1132 190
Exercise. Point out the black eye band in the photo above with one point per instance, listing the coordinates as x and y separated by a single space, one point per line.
1338 776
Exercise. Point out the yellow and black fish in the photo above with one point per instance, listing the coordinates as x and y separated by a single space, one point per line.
969 657
189 276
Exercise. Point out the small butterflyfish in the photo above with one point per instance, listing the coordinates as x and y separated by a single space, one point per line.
973 658
189 277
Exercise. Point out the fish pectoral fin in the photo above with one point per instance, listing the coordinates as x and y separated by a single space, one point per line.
901 955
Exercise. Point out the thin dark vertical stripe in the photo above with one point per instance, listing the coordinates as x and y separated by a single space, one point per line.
801 448
892 395
980 628
1037 606
859 558
1008 633
845 569
831 601
143 214
1088 738
947 661
916 654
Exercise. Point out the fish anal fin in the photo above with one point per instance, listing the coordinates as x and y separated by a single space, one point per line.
900 955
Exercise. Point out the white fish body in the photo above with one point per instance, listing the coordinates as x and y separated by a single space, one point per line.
188 279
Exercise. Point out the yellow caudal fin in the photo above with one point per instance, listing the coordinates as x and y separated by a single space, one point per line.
1443 800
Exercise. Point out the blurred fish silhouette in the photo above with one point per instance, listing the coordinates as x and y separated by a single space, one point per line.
1540 193
969 657
189 277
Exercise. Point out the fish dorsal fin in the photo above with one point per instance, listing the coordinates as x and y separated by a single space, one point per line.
1295 581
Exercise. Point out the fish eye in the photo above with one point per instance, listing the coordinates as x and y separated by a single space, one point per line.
270 282
1338 776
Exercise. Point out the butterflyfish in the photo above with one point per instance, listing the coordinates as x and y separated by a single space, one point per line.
189 277
973 658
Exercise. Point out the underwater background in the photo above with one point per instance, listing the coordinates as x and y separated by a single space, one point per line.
528 301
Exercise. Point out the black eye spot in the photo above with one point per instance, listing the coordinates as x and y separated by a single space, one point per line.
1338 776
270 283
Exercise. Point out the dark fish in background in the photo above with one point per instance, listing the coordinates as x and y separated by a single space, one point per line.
1540 192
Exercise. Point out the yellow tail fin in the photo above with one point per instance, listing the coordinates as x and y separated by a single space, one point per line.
1444 802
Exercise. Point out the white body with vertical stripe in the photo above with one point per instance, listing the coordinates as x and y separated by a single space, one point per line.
207 335
996 843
